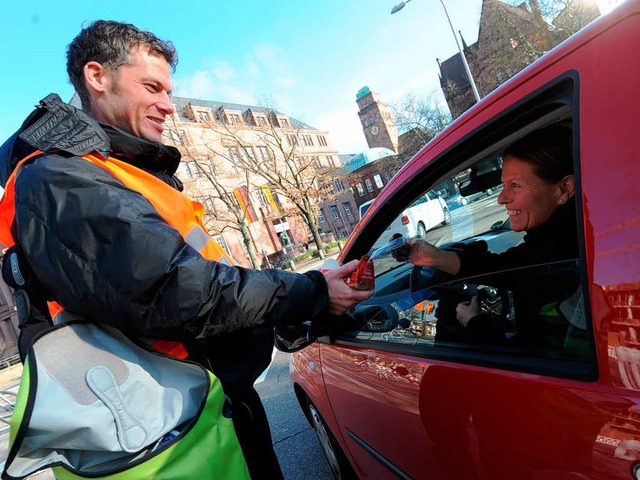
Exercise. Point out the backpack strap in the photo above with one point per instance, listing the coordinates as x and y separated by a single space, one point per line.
30 298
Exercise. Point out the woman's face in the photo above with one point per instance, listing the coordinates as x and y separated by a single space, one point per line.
530 200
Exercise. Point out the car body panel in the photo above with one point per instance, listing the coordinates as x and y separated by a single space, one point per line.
432 413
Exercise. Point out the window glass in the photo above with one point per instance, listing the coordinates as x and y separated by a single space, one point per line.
369 185
504 301
378 181
535 311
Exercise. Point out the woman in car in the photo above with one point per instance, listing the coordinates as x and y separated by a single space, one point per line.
538 193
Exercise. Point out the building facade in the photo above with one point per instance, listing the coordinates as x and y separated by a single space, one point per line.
509 38
224 146
377 122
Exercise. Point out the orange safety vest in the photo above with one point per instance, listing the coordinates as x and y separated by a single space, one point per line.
176 209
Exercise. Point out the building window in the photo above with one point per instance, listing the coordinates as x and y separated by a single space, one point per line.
250 153
378 181
179 137
204 117
315 161
212 166
209 205
264 155
219 239
261 121
261 197
335 212
325 186
322 141
307 140
284 123
347 208
339 186
387 176
360 189
292 140
330 162
234 118
191 169
321 216
233 155
369 185
365 122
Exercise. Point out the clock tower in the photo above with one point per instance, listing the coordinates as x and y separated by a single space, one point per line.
377 124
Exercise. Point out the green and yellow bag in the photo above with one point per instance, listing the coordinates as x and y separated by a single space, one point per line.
94 404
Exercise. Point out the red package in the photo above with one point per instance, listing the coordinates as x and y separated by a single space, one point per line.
362 278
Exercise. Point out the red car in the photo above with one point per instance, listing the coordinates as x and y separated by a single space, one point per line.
400 392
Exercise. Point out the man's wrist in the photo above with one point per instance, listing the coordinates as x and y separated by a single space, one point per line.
320 306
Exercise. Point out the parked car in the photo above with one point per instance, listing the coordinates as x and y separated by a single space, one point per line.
400 393
457 200
427 212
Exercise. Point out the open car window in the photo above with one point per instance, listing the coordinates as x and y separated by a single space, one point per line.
478 217
529 316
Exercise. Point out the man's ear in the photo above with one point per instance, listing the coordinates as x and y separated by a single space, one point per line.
96 77
568 185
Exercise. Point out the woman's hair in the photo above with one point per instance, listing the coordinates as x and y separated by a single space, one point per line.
110 43
548 150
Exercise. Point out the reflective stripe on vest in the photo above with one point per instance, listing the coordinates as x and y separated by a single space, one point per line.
175 208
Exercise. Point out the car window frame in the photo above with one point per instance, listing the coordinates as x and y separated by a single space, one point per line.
547 100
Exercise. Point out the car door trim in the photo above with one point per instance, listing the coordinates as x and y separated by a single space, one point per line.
378 456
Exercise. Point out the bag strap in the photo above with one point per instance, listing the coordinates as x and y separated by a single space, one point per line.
30 298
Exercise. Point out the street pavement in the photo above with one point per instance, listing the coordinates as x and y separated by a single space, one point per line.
314 263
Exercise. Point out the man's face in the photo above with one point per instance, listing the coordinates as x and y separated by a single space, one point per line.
136 96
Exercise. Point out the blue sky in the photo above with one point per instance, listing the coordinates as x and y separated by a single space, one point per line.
308 59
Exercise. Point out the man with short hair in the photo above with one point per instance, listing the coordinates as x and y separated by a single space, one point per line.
112 250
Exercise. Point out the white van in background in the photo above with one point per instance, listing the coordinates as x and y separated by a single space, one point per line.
427 212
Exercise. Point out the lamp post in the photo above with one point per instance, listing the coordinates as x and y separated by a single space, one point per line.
400 6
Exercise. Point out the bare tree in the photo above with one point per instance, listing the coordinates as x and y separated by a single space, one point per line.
419 119
299 174
224 211
424 114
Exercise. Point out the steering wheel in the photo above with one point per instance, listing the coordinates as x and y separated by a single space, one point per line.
425 277
494 302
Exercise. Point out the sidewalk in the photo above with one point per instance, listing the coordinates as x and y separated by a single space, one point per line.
314 263
10 375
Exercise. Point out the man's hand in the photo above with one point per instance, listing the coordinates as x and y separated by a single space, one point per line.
342 297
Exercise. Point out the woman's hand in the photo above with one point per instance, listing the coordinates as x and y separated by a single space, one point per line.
465 311
423 254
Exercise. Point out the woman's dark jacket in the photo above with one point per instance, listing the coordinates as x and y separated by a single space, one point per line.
102 251
543 282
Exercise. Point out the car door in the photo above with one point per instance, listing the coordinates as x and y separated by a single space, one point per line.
417 395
